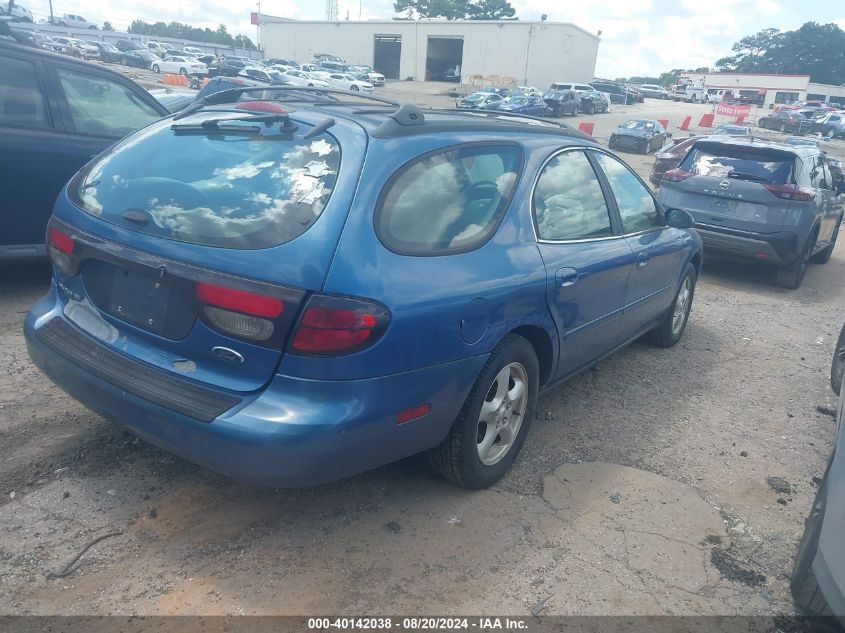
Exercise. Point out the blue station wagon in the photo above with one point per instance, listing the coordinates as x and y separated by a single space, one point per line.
293 285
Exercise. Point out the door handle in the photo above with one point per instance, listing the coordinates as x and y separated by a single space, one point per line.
566 277
642 260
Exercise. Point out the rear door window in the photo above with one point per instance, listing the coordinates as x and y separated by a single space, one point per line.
21 100
449 201
243 185
100 106
742 163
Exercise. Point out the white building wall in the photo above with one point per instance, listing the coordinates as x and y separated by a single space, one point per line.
537 52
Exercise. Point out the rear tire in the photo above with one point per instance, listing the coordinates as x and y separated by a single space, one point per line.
782 129
803 582
183 72
459 457
823 257
354 88
672 328
156 68
791 276
124 61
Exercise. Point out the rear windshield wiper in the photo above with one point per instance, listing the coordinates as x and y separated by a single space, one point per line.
740 175
225 124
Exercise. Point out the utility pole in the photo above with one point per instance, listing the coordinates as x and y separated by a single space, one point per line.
258 27
51 12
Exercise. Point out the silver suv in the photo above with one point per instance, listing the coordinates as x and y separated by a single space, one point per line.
753 200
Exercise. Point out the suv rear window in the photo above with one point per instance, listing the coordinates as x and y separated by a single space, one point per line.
449 201
253 188
742 163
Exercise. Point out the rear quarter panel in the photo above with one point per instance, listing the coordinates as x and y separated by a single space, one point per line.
429 297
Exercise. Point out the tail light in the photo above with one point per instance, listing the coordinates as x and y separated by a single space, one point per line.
59 247
791 192
333 326
241 313
677 175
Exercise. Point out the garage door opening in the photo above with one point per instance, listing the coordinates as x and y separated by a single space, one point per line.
444 58
387 51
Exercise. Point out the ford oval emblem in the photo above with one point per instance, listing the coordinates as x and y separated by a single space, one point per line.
162 272
229 355
725 185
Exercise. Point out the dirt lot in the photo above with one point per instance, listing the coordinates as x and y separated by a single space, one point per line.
662 481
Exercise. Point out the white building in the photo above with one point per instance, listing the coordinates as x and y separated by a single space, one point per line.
775 89
498 52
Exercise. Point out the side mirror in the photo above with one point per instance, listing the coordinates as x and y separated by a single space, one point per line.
679 219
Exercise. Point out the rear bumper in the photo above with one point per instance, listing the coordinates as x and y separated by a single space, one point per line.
780 249
22 251
295 432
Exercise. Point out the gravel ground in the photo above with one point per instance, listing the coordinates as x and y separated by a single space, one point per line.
660 482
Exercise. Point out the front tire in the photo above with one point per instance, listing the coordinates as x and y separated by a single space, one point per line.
354 88
671 329
124 61
491 427
183 72
803 582
156 68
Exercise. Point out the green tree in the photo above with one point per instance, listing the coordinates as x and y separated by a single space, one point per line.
179 30
814 49
491 10
107 26
455 9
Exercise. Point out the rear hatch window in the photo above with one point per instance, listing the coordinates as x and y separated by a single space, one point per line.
240 180
762 165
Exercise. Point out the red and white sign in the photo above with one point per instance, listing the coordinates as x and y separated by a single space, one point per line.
726 109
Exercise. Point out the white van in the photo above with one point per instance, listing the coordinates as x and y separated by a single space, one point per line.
570 85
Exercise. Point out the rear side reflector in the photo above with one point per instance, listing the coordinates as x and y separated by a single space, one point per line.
413 413
239 300
333 326
60 241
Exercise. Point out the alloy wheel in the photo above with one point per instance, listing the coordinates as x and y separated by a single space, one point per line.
682 305
502 414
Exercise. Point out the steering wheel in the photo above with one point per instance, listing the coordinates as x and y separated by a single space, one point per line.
482 190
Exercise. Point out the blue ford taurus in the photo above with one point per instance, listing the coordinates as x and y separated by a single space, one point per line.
291 286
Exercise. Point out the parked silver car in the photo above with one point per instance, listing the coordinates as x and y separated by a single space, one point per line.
832 124
818 576
761 201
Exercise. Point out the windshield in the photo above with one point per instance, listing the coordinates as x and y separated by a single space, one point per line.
478 96
743 163
518 101
638 125
251 188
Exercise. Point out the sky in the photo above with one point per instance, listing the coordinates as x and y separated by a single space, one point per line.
639 37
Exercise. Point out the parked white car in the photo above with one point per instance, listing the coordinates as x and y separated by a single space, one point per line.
309 68
193 50
299 78
160 48
345 82
179 65
73 21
